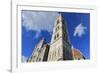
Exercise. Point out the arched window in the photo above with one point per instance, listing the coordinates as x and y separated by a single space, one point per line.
39 59
57 28
58 21
57 35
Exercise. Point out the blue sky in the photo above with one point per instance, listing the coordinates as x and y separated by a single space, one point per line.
37 25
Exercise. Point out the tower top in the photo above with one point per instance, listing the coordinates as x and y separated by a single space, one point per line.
59 20
60 17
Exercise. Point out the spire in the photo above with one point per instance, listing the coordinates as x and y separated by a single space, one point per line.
60 17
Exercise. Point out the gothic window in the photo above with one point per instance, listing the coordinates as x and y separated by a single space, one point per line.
39 59
57 28
39 51
58 21
55 37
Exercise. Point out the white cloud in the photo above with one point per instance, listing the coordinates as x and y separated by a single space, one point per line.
37 21
79 30
24 59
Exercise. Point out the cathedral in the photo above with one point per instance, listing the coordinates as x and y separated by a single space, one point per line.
60 47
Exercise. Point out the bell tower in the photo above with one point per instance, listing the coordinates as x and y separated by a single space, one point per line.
60 47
